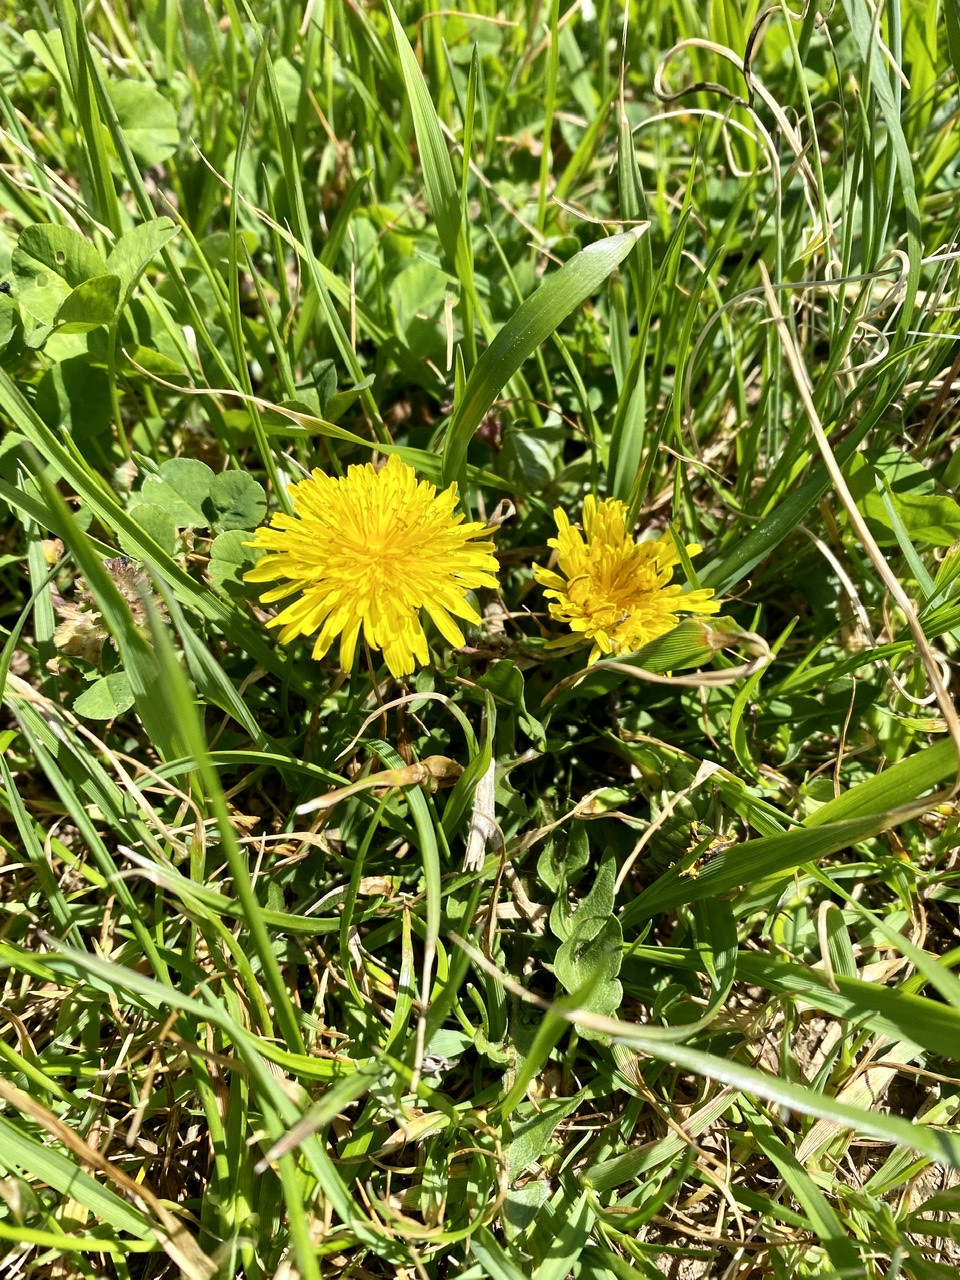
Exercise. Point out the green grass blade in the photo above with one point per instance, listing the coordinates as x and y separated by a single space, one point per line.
24 1152
902 784
443 199
938 1145
176 701
536 319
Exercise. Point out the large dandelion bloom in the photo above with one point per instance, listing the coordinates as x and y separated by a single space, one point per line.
371 549
613 590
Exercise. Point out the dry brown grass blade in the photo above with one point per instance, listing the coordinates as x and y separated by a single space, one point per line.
433 771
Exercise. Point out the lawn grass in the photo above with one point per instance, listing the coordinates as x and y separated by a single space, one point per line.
690 1007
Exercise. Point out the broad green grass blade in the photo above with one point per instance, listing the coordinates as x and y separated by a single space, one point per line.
443 198
951 15
651 1155
492 1257
25 1152
77 51
574 1216
938 1145
894 1013
751 862
536 319
902 784
860 813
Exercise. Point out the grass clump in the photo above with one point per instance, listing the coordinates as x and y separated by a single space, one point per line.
480 958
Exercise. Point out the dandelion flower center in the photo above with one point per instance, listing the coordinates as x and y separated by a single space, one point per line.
611 589
370 550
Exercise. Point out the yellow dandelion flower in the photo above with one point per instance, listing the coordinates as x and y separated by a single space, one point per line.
371 549
613 590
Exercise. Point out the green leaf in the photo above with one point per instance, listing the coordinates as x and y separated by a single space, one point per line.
340 401
933 518
74 395
839 947
463 795
748 863
529 457
49 262
158 522
91 304
220 249
558 866
45 1164
443 198
105 698
148 120
230 557
182 489
155 362
65 252
572 1222
901 784
927 517
593 951
9 319
506 683
596 905
951 15
493 1258
524 1201
137 248
822 1216
530 1137
937 1144
541 313
235 501
212 683
47 48
857 815
137 657
692 643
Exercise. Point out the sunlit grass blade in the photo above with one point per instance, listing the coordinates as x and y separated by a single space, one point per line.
443 199
25 1153
539 315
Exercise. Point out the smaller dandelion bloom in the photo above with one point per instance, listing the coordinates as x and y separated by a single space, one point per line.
370 550
612 589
